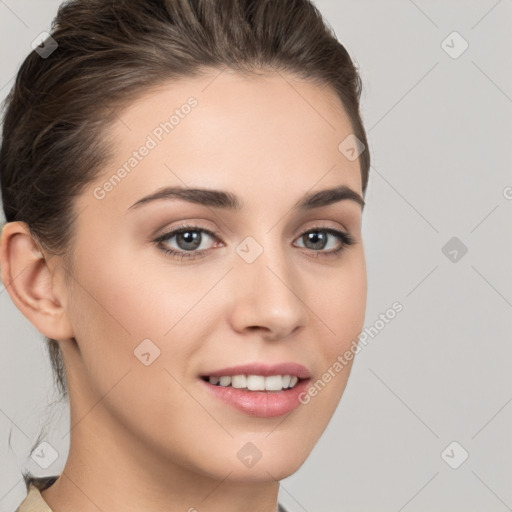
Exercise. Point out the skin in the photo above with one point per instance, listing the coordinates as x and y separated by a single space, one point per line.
144 437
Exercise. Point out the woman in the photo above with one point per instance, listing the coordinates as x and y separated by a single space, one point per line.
183 183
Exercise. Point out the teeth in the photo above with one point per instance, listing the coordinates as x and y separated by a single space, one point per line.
256 382
274 383
225 381
239 381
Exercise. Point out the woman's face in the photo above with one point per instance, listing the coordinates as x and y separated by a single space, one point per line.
259 284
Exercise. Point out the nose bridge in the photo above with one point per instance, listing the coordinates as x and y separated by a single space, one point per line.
266 292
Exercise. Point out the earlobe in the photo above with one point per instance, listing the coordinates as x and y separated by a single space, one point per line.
35 289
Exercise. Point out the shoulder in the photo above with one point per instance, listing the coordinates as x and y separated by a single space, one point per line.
34 502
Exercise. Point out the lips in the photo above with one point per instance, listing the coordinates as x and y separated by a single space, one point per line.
260 404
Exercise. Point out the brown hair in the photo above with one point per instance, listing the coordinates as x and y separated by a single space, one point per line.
110 52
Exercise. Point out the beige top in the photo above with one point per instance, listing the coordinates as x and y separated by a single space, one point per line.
33 502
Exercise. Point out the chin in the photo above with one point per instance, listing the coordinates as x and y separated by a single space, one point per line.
276 461
263 471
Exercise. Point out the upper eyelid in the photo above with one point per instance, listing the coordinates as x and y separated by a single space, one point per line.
192 225
176 230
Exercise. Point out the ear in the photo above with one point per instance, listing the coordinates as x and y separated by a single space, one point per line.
36 288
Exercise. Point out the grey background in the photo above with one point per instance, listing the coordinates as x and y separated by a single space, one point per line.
439 131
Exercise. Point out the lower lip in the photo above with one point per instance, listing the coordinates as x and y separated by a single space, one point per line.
261 404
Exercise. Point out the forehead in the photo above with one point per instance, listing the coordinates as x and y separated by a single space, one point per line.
268 134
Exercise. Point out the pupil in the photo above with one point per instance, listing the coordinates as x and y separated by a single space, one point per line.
191 239
318 240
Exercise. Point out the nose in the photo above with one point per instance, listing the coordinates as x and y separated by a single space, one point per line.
267 297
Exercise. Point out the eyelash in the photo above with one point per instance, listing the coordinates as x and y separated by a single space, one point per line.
344 237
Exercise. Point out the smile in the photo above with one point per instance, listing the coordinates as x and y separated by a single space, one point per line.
255 382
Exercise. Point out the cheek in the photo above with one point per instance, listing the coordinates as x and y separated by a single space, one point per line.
121 291
115 308
111 312
124 307
339 317
341 306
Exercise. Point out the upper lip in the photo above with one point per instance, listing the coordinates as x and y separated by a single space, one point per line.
264 369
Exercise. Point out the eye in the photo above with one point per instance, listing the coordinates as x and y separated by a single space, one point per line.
317 239
188 239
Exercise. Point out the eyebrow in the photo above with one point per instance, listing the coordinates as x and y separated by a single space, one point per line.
229 201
